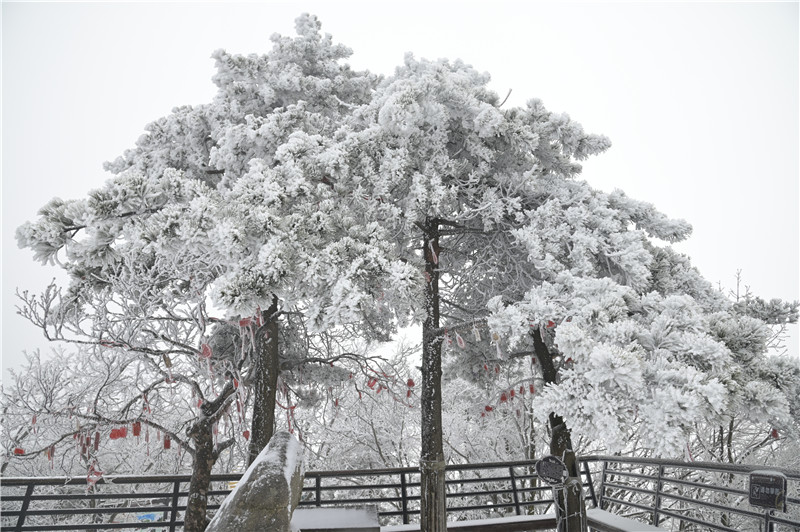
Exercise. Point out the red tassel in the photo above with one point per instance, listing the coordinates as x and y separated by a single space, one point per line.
531 388
97 440
205 351
408 393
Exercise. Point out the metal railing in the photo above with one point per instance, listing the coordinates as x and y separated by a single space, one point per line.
120 502
685 496
690 496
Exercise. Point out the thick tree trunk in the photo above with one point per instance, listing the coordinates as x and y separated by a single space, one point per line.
570 499
433 505
267 367
202 464
201 433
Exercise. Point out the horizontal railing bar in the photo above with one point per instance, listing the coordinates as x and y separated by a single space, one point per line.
624 487
781 520
97 511
705 466
479 507
697 521
90 496
415 470
353 487
638 506
631 474
92 526
478 480
459 494
720 507
697 485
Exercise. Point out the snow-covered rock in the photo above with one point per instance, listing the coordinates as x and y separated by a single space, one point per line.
268 492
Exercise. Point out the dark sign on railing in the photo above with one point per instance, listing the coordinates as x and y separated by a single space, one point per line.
768 490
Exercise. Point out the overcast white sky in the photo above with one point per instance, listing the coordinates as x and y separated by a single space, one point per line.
699 100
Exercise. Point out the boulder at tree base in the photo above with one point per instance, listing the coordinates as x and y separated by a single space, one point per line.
268 492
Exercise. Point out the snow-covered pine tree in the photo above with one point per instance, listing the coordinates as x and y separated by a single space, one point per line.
210 204
483 201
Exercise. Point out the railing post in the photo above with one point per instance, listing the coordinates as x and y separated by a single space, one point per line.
173 519
514 490
657 503
404 496
602 485
24 508
588 474
318 490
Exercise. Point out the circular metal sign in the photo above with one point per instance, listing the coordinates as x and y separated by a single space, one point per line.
552 470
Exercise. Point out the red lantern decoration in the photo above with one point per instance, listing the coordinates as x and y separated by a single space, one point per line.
167 442
18 451
97 440
503 397
550 324
245 322
410 383
137 428
532 390
246 434
774 434
488 408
